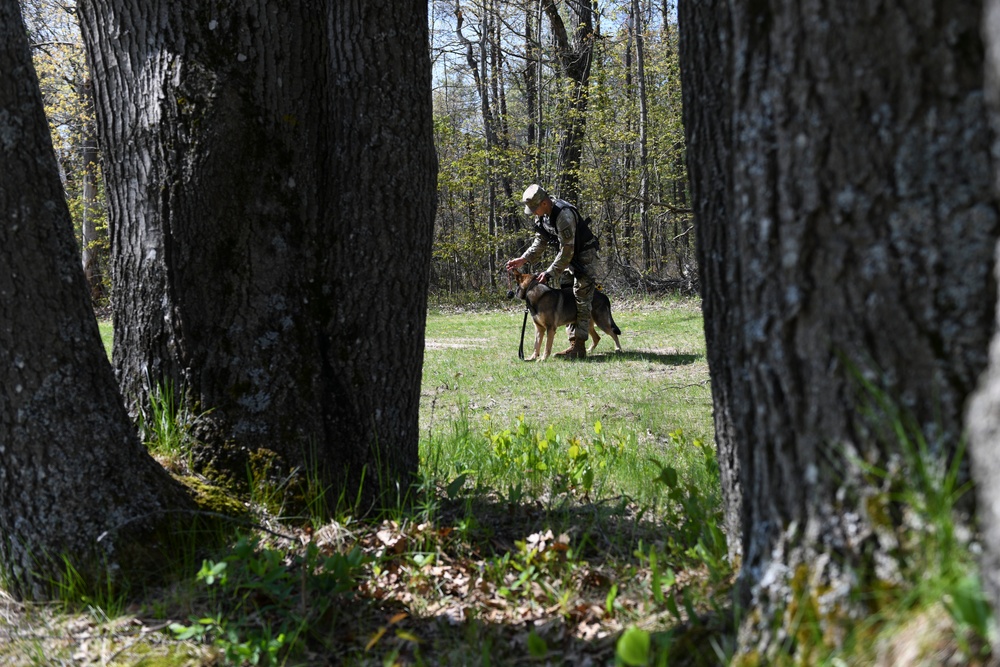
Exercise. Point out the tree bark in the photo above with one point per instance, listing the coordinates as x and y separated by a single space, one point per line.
640 78
271 180
705 47
74 480
92 239
575 55
983 417
851 246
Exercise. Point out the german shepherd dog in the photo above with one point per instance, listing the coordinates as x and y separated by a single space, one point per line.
551 308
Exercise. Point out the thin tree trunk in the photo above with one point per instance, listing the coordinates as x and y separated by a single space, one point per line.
575 55
482 77
628 207
640 64
540 91
509 216
532 52
93 242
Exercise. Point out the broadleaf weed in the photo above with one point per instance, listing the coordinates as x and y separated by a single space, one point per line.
263 603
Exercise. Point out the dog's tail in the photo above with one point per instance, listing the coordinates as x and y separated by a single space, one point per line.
614 325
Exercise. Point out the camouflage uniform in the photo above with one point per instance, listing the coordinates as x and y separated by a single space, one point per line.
581 264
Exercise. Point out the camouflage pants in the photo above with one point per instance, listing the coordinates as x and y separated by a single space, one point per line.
584 283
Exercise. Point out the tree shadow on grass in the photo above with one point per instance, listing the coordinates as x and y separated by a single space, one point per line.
609 529
675 359
486 598
510 645
570 640
454 582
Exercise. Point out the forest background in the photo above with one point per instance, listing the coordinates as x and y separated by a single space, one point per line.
507 80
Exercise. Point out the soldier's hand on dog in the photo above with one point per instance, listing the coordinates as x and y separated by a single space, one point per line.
514 264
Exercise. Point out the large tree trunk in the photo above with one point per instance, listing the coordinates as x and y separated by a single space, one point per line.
704 42
271 180
857 244
74 480
983 418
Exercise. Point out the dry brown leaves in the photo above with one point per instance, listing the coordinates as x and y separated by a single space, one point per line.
433 593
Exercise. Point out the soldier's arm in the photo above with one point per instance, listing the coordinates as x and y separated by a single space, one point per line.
566 227
537 246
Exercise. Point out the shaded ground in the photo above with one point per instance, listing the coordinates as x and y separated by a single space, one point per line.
465 577
451 590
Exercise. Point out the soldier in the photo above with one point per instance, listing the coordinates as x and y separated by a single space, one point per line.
558 222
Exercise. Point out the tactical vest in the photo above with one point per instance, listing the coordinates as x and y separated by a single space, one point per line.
545 225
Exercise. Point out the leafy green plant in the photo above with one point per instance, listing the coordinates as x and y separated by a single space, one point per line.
633 647
104 598
693 508
263 603
165 423
550 461
317 493
938 564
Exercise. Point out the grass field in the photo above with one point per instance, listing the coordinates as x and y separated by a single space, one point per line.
659 383
473 379
656 387
567 515
107 335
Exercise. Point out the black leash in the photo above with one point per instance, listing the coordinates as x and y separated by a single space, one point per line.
520 349
524 324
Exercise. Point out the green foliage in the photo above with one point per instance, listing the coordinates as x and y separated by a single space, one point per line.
693 507
480 222
165 423
103 598
264 604
551 460
633 648
537 647
924 486
932 557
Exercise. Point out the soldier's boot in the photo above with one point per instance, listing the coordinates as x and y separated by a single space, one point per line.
576 350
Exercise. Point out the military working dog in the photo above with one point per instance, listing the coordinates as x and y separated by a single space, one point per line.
551 308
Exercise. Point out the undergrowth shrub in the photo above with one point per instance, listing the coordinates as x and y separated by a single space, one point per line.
692 515
919 499
565 465
263 603
693 509
165 423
